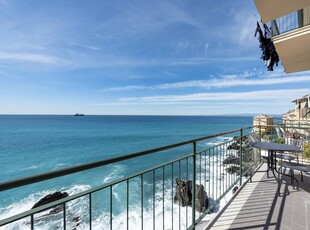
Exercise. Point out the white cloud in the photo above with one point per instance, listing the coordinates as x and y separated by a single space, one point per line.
225 81
86 46
282 94
206 48
29 57
129 87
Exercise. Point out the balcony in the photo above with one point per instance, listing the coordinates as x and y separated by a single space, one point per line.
291 36
272 9
220 166
258 206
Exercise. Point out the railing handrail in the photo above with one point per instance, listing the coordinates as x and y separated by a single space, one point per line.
79 168
84 193
289 127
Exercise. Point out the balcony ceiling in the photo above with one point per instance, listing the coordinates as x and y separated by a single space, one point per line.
272 9
294 49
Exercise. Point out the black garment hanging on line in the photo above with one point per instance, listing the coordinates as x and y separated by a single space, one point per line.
269 53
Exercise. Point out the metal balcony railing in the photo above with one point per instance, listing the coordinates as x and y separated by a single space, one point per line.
218 168
290 22
296 134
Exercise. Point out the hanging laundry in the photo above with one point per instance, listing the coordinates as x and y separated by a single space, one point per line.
269 53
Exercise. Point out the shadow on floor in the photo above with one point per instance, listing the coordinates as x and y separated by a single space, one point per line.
265 209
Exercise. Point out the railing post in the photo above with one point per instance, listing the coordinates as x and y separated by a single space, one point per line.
241 171
194 185
260 139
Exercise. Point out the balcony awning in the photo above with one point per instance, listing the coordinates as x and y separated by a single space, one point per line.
272 9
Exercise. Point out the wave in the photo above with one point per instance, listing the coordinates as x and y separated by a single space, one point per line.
116 173
40 220
172 216
215 141
163 214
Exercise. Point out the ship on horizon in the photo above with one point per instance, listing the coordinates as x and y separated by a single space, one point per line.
79 114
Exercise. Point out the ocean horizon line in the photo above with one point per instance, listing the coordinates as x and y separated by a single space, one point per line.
154 115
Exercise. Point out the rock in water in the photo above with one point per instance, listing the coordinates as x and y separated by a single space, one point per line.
183 195
50 198
201 202
231 160
233 169
183 192
235 189
234 146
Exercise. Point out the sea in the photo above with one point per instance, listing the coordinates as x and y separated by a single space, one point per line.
33 144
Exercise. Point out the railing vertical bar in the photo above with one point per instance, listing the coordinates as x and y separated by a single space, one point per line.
217 170
90 211
127 202
179 174
209 183
213 182
186 224
241 157
226 173
200 171
223 173
111 207
142 201
260 139
31 222
64 215
194 185
153 199
224 170
163 197
172 196
205 176
220 162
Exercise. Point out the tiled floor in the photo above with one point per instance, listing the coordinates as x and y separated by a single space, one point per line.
258 205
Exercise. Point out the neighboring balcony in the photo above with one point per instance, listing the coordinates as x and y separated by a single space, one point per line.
291 37
272 9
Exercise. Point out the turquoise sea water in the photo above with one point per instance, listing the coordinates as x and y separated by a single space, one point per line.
32 144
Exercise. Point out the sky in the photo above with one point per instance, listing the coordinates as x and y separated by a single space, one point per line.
138 58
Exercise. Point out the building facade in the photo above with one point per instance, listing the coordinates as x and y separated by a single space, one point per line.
262 123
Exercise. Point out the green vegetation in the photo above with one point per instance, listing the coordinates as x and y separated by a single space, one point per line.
306 153
266 137
279 140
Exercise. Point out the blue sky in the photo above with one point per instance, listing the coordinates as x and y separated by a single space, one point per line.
138 57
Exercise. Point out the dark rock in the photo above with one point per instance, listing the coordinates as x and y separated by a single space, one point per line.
51 198
234 146
201 202
56 210
233 169
235 189
231 160
183 195
76 219
237 138
76 222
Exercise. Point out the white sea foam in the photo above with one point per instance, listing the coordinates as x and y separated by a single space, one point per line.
215 141
60 165
172 216
27 203
32 167
116 172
